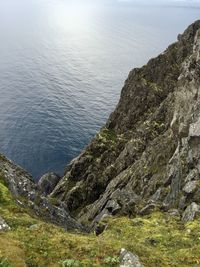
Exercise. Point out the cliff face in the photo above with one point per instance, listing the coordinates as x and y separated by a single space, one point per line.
145 158
147 155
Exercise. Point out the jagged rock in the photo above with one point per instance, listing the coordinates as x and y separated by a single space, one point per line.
22 186
150 145
156 196
48 182
113 207
183 130
18 180
3 225
128 259
190 187
194 130
191 212
193 175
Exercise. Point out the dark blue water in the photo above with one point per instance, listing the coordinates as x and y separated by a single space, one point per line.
62 66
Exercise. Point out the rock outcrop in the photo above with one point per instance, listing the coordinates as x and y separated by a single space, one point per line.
147 155
27 194
128 259
3 225
48 182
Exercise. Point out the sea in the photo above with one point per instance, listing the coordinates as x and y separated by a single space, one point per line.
63 64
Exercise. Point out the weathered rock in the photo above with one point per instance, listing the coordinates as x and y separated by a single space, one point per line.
149 147
3 225
48 182
193 175
18 180
194 131
113 207
190 187
128 259
191 212
23 187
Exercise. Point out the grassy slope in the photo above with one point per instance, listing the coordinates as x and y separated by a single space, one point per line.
159 240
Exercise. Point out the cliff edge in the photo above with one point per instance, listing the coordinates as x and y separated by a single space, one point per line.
147 155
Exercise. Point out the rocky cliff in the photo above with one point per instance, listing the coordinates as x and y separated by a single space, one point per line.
29 195
145 158
147 155
143 164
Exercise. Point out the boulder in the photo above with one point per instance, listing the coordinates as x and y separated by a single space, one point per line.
193 175
3 225
190 187
128 259
113 207
191 212
194 130
48 182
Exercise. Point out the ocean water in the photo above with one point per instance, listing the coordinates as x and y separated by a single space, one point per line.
62 66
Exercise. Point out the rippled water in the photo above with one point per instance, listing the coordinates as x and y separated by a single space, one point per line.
62 66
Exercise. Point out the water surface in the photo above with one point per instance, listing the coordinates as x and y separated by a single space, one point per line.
62 67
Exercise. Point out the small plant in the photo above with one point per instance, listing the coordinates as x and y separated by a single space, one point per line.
71 263
111 261
4 262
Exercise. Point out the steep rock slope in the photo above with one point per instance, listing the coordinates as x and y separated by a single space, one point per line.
27 194
147 155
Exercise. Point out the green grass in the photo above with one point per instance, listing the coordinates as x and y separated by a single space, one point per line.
159 240
108 135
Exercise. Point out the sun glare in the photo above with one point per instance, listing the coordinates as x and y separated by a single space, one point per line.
73 16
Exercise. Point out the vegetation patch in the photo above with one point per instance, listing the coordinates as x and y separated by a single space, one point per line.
108 135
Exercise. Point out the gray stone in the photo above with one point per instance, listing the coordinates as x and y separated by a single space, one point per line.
194 130
183 130
3 225
191 212
193 175
128 259
48 182
190 187
23 187
113 207
156 195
